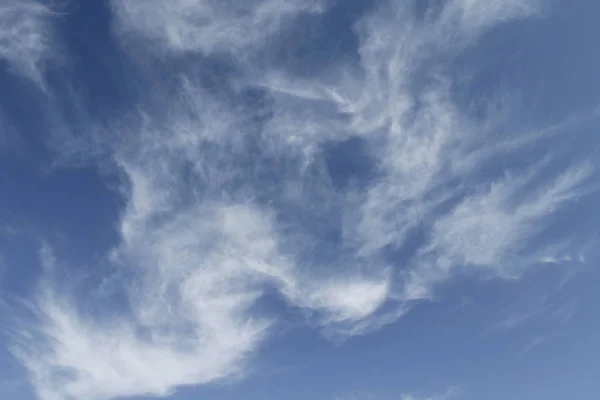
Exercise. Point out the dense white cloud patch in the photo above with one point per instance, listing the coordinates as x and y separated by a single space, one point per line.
26 36
229 200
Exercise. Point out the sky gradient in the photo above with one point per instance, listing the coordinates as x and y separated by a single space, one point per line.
299 199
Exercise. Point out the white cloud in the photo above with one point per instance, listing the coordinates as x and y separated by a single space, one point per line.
484 228
451 393
208 25
422 138
226 204
475 15
200 261
533 344
491 230
26 37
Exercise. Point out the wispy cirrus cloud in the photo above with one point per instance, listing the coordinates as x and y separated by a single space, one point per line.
200 261
26 37
231 201
492 229
208 26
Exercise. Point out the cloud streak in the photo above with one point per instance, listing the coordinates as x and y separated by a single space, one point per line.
451 393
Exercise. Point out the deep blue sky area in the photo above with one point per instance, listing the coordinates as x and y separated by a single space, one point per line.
302 200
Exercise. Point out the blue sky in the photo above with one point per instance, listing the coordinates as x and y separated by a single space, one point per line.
324 200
